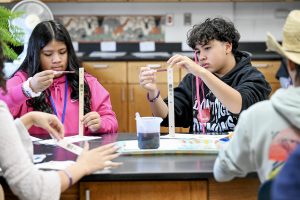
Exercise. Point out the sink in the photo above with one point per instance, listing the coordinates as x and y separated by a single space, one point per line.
151 54
79 54
107 54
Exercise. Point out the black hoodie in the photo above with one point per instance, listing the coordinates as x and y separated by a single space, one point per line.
245 78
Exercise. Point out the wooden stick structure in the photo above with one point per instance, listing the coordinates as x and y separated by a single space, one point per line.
171 101
81 101
64 72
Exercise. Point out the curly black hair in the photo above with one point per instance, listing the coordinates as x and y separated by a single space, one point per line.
2 79
218 29
41 35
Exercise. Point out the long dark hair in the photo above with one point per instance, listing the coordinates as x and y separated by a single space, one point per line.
218 29
2 79
42 34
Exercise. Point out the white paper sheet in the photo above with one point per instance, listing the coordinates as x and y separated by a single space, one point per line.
108 46
187 136
173 146
34 139
69 139
147 46
37 158
55 165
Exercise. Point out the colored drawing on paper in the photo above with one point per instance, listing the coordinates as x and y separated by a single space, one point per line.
114 28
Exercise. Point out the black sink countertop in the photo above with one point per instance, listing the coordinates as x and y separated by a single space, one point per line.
130 52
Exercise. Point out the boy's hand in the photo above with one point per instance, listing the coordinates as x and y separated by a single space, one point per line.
185 62
147 78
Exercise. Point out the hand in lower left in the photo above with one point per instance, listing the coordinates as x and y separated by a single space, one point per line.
46 121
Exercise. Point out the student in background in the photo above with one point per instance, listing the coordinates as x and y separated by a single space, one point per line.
24 179
220 84
287 183
283 75
268 131
38 84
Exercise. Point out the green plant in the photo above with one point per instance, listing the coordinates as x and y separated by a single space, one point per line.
9 34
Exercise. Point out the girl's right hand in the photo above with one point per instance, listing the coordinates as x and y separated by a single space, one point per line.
147 78
98 158
41 80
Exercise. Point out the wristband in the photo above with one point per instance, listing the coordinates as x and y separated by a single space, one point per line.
28 91
69 177
154 99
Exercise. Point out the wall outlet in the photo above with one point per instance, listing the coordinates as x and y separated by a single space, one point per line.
187 19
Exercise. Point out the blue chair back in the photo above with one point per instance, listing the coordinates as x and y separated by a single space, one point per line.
264 192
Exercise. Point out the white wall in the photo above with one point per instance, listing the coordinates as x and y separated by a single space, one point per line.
252 20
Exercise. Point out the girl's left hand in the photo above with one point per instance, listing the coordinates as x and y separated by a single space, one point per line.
92 120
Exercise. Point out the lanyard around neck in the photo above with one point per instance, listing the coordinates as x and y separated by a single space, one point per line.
203 113
65 102
198 84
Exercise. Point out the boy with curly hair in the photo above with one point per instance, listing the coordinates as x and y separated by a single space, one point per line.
221 82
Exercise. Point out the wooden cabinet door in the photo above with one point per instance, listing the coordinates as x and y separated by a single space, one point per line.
269 69
99 0
205 1
56 1
118 97
144 190
153 0
137 102
134 71
113 76
107 72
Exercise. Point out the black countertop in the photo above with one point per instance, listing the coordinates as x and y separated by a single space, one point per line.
129 57
142 167
165 51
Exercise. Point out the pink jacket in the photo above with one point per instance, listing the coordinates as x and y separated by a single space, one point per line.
100 102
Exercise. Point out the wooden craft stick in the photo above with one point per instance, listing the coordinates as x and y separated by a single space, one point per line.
70 147
161 70
64 72
171 101
81 101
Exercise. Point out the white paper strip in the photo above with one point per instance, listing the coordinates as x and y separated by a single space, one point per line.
69 139
70 147
55 165
108 46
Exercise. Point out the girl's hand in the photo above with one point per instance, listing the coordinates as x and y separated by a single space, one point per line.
98 158
185 62
46 121
147 79
41 81
92 120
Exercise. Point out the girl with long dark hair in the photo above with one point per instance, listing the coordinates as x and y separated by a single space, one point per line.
40 85
24 179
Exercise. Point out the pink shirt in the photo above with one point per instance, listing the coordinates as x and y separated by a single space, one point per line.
100 102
